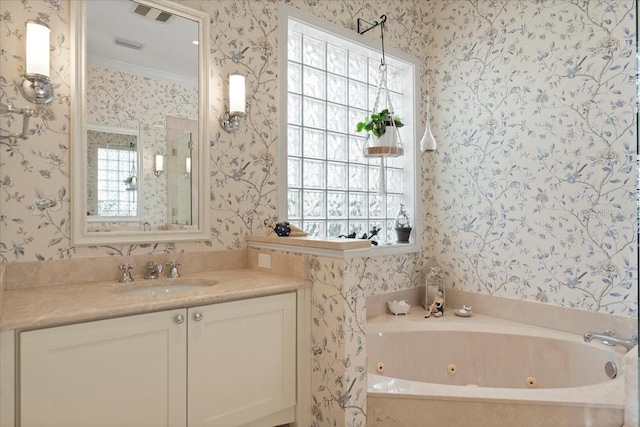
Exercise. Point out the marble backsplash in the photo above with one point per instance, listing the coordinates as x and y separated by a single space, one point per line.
86 270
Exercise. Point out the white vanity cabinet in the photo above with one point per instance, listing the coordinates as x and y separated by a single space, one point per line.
128 371
242 362
227 364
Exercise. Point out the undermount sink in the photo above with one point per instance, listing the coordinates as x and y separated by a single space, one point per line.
165 286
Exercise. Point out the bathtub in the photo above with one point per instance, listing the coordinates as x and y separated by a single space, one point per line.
483 371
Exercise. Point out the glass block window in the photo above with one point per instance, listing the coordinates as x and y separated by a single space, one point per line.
115 197
332 188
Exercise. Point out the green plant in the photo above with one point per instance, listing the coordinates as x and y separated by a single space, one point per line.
402 219
129 180
377 123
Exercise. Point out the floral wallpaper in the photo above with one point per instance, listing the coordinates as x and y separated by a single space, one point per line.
119 99
338 338
531 194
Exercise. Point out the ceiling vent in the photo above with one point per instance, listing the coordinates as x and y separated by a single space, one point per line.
150 13
128 43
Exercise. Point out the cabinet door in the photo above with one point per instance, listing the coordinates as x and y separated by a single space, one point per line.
122 372
241 361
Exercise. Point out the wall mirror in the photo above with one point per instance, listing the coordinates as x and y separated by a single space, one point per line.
140 122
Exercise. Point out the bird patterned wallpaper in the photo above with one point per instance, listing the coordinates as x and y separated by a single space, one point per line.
531 194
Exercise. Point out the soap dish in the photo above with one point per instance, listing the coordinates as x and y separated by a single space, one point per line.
398 307
463 312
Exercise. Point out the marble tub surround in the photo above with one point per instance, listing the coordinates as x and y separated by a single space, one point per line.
20 275
400 401
402 412
30 308
543 315
377 304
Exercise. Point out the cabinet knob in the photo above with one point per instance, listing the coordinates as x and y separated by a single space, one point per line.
197 317
179 319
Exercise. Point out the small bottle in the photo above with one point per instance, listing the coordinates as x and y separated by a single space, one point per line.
434 282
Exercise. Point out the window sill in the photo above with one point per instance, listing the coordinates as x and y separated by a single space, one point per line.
331 248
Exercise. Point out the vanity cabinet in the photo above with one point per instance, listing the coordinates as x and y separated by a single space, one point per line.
242 362
227 364
119 372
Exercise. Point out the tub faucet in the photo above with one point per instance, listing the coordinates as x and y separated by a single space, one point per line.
153 270
608 338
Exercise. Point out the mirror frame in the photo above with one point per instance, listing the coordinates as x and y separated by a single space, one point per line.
79 230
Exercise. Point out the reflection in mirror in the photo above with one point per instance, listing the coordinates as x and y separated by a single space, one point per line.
181 151
112 177
140 67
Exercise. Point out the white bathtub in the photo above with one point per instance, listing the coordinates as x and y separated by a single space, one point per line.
481 371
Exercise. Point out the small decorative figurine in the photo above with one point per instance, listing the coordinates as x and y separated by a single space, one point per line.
373 233
437 308
268 226
282 228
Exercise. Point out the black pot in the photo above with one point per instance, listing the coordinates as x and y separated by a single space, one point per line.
402 234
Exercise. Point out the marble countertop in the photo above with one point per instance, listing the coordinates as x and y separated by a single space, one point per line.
40 307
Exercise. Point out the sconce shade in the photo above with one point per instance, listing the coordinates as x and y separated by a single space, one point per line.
188 165
37 49
159 166
236 94
230 120
35 87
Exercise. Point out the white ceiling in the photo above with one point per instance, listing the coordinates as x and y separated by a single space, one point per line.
168 52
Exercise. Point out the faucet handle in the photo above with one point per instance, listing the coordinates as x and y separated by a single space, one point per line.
126 276
173 268
608 332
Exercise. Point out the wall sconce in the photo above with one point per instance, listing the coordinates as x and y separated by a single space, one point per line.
159 166
187 166
35 86
230 119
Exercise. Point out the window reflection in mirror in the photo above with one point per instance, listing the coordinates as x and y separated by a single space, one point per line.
112 172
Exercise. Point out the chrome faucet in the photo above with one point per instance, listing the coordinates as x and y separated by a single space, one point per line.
126 275
608 338
173 269
153 270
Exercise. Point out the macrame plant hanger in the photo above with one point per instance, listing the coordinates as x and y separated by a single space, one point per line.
391 145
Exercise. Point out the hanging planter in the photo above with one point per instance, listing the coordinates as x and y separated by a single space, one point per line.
131 183
383 124
384 139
